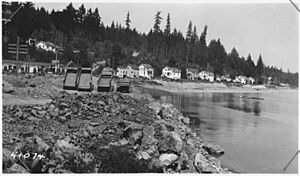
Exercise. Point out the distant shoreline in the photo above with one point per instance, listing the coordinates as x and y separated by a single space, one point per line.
200 87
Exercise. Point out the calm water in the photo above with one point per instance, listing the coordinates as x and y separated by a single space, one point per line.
259 135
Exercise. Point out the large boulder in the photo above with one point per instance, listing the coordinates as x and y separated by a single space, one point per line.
148 136
63 148
171 142
16 168
143 155
156 106
134 132
214 150
202 165
167 159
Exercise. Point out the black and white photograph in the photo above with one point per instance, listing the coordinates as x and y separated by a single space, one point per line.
181 87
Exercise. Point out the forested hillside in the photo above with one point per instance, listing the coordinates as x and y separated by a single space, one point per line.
83 30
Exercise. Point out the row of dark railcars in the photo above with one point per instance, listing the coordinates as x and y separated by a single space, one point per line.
80 79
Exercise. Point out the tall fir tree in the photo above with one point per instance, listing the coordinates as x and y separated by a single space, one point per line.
127 21
259 69
157 22
189 33
168 26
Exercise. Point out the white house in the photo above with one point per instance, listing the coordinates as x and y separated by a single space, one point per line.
47 46
146 70
130 71
121 71
252 80
218 78
242 79
226 78
171 72
207 75
192 73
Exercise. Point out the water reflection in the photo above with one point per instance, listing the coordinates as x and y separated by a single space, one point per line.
245 104
250 129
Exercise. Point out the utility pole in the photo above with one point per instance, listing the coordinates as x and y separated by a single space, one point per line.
18 48
56 62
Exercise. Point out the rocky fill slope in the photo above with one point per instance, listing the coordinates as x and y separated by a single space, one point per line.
103 133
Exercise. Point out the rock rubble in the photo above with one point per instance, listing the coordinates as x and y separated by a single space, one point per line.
103 133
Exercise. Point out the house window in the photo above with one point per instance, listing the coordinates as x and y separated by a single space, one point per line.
5 67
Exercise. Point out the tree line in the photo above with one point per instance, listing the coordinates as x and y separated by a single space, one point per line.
82 30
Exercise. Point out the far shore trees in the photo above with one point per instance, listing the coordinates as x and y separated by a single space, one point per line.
82 30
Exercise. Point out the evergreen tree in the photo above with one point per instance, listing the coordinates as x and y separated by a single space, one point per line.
259 69
250 67
189 33
203 36
194 35
127 22
80 14
168 26
157 22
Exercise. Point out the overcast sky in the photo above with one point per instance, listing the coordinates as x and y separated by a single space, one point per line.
268 29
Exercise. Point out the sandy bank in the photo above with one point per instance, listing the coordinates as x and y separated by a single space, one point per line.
195 87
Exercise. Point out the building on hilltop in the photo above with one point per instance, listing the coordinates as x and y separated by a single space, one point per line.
47 46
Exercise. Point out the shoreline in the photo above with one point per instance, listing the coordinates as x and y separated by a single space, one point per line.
173 87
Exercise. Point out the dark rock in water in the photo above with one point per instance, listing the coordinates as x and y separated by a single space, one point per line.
214 150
